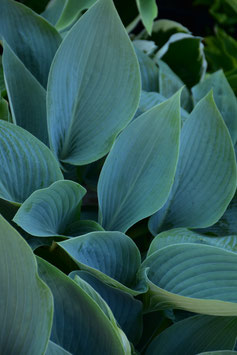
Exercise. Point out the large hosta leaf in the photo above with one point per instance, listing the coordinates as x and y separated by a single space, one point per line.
32 38
94 71
126 310
79 325
205 180
111 256
54 349
28 105
193 277
26 164
26 303
224 97
196 334
48 212
138 173
183 235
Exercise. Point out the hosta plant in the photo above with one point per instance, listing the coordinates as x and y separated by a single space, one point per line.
118 230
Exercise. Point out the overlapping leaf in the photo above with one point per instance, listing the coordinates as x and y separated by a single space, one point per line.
48 212
97 66
138 173
149 71
26 164
126 309
224 97
193 277
28 105
26 303
79 325
111 256
30 37
205 180
196 334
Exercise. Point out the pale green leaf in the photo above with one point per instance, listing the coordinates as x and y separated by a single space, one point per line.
79 325
205 180
193 277
26 304
26 164
48 212
224 97
28 105
31 37
138 173
148 11
196 334
85 118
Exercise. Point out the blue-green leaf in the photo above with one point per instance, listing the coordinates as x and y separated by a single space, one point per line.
224 97
26 164
79 325
28 105
205 180
111 256
84 104
149 71
32 38
193 277
126 309
138 173
48 212
196 334
54 349
26 304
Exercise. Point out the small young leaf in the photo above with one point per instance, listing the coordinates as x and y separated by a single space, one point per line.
148 11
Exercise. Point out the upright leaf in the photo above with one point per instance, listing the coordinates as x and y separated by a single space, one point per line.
79 325
28 105
26 164
196 334
26 303
149 71
224 97
138 173
85 118
206 161
32 38
48 212
148 11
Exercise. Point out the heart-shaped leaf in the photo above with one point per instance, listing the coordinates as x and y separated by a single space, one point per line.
206 160
26 303
28 106
48 212
138 173
32 38
97 53
79 325
111 256
224 97
21 153
197 278
194 335
126 309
